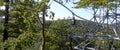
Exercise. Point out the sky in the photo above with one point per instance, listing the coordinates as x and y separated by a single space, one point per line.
61 12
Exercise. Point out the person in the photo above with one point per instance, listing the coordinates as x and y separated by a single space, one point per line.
73 21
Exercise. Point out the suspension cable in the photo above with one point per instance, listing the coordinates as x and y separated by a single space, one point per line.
71 11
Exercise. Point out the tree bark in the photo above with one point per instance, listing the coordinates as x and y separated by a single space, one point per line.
43 30
5 35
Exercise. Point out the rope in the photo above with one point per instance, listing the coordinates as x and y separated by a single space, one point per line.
71 10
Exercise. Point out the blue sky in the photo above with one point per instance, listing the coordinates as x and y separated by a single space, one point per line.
61 12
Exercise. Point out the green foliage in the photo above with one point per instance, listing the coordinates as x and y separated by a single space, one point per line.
56 35
97 3
23 25
22 18
25 34
1 2
2 12
24 41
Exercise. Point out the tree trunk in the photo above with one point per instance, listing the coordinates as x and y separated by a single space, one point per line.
43 30
5 35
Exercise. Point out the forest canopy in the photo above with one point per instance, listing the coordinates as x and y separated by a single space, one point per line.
23 26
